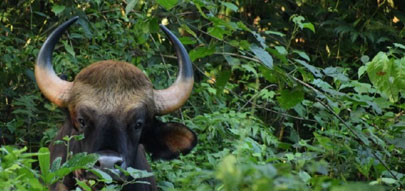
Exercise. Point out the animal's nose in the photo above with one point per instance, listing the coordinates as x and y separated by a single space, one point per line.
109 161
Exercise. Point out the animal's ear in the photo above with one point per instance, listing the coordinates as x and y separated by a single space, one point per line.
168 140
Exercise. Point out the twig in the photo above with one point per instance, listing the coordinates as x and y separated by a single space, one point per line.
254 96
238 55
358 137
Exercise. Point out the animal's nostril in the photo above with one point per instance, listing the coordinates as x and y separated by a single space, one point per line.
118 163
98 164
108 161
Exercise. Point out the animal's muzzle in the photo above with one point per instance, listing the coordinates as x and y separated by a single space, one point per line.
108 161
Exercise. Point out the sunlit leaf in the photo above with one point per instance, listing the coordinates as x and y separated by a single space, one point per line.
230 6
167 4
309 26
44 159
57 9
387 75
130 5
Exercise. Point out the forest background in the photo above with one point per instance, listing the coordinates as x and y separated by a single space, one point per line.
288 95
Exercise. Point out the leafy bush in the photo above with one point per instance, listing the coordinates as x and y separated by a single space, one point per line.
281 100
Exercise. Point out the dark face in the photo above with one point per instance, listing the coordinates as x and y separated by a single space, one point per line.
114 137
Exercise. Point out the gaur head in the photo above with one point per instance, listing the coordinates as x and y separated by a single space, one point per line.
114 105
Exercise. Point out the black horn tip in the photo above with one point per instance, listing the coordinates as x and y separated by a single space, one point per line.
184 59
74 18
45 54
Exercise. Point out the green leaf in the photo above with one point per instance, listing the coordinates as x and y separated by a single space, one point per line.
275 33
222 79
311 68
289 98
260 39
187 40
153 25
186 28
242 26
231 60
398 45
268 74
102 175
56 164
59 174
364 59
130 5
57 9
81 160
262 55
227 169
83 185
230 6
302 55
217 32
201 52
387 75
309 26
69 48
361 71
337 73
281 50
167 4
357 186
389 180
304 176
135 173
44 159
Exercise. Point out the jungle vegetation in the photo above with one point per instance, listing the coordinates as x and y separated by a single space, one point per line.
288 95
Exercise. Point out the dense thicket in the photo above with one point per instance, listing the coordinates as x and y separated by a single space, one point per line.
289 94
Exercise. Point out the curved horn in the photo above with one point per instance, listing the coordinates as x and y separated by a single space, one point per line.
175 96
54 88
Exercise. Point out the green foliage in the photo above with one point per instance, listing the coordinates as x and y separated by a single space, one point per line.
388 75
280 101
16 170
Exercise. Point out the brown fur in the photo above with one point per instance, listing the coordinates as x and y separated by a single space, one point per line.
111 87
179 139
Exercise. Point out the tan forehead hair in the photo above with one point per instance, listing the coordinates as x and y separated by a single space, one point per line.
109 86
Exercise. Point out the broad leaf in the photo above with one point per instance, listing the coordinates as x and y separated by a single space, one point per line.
262 55
81 160
167 4
230 6
44 158
69 48
309 26
135 173
387 75
57 9
337 73
201 52
130 5
222 79
289 98
311 68
102 175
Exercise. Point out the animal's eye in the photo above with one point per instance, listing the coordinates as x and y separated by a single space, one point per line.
82 123
138 124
